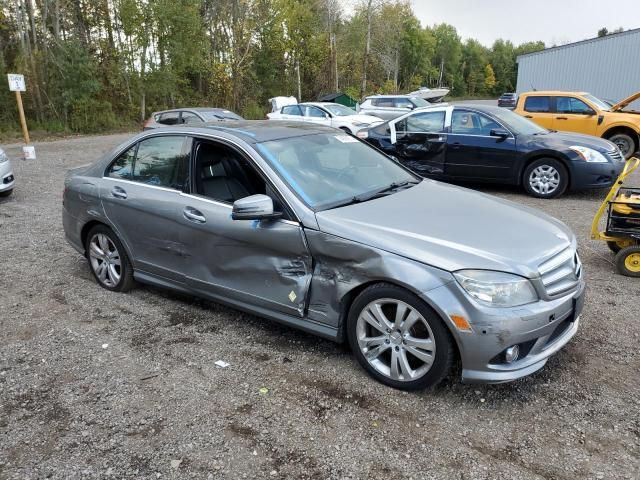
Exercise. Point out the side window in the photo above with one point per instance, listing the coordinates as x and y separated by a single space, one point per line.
382 102
188 117
402 103
122 167
291 110
314 112
425 122
160 161
537 104
170 118
572 105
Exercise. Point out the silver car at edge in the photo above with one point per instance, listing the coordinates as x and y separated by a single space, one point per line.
313 228
7 179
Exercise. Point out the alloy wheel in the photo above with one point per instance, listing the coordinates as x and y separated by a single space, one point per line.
395 339
544 180
105 260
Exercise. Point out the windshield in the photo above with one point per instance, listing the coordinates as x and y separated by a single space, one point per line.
339 110
602 105
329 169
220 115
517 124
419 102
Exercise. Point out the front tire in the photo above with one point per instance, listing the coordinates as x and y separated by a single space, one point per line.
625 142
6 193
545 178
398 339
108 260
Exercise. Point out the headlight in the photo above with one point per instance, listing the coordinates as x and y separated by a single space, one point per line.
3 156
360 124
589 155
496 289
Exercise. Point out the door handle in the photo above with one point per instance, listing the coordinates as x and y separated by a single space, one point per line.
562 118
528 116
194 215
119 192
456 145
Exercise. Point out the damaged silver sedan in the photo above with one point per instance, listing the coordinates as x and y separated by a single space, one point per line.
311 227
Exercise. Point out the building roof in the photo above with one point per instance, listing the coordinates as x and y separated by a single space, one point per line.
332 96
610 36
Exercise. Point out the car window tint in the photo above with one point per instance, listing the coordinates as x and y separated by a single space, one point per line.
537 104
291 110
188 117
382 102
122 167
571 105
160 161
402 103
464 122
170 118
315 112
423 122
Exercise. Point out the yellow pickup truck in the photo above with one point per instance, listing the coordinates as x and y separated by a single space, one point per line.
582 112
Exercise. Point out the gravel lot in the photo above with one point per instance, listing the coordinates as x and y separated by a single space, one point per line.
95 384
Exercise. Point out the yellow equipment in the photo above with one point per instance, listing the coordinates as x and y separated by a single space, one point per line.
622 232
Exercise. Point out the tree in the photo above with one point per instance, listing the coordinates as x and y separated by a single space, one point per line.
489 78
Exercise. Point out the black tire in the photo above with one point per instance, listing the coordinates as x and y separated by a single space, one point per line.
444 348
125 281
628 261
552 163
613 246
6 193
627 143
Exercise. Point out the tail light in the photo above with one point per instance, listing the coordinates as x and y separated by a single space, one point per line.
146 123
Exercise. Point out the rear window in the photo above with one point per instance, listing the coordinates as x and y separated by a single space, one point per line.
537 104
169 118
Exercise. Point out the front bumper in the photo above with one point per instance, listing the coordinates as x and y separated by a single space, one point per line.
539 329
7 179
594 175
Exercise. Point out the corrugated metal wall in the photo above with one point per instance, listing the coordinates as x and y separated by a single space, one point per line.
607 67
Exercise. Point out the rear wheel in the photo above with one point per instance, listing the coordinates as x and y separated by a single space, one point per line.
628 261
625 142
545 178
398 339
108 260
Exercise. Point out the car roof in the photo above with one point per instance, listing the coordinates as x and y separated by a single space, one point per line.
401 95
479 107
554 92
196 109
253 131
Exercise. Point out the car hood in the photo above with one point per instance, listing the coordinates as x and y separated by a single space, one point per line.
452 228
564 140
361 118
624 103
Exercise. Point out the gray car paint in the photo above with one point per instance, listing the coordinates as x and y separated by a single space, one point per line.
414 238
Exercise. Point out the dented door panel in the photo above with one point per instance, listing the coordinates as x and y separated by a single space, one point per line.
262 263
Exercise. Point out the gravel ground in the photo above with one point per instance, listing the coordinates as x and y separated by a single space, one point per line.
96 384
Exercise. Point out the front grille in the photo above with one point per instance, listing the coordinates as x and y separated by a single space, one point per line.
561 274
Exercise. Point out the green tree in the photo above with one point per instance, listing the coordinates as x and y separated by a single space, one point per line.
489 78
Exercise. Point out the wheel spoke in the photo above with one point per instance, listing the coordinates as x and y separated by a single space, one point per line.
411 320
95 250
400 369
401 311
113 275
375 352
425 357
421 343
369 342
104 243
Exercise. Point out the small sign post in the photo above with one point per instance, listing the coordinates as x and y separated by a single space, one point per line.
16 84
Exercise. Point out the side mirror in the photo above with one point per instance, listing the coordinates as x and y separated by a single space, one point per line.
255 207
500 133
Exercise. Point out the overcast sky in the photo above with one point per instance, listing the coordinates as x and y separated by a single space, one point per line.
552 21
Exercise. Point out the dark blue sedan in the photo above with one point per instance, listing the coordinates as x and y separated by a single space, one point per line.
479 143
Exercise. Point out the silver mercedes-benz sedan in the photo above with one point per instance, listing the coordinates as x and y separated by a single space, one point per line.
7 180
311 227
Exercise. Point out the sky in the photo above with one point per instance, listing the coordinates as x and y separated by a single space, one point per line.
552 21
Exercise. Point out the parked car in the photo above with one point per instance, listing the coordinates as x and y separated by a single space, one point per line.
6 175
493 144
188 115
325 113
508 100
584 113
313 228
388 107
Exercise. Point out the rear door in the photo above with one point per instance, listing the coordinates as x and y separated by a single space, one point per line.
574 115
539 109
263 263
140 194
421 142
473 152
291 112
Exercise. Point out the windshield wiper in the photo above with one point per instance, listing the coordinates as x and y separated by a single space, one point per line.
384 191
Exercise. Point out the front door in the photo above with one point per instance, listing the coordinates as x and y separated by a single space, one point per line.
140 195
313 114
573 115
420 142
472 150
263 263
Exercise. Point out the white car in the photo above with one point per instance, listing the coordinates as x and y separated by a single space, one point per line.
326 113
7 180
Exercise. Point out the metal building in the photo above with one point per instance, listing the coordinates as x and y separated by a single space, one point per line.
608 67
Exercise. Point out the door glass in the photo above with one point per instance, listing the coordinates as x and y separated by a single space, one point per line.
424 122
188 117
123 165
402 103
465 122
170 118
291 110
315 112
537 104
382 102
572 105
160 161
